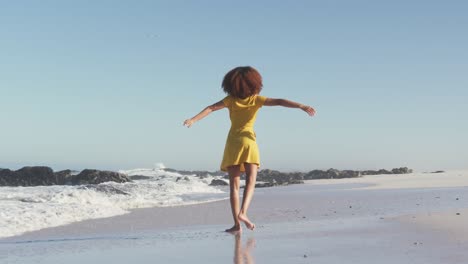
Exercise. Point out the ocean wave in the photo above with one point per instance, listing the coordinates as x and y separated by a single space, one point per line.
24 209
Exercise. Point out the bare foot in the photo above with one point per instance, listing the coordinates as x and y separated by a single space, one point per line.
234 229
245 219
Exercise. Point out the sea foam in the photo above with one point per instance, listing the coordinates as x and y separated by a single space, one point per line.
24 209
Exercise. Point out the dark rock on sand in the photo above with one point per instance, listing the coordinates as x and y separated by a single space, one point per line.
273 177
280 178
402 170
331 174
218 183
264 184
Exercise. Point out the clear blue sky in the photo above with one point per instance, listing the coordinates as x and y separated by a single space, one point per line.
107 84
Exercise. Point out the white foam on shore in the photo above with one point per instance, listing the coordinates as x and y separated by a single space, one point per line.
24 209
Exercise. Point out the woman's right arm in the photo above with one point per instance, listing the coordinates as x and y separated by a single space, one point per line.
206 111
287 103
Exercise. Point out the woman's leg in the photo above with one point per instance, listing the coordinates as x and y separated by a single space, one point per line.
250 180
234 185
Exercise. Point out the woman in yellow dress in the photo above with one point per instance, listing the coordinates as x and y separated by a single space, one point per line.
243 85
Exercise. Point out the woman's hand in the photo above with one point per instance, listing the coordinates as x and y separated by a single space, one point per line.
189 122
308 109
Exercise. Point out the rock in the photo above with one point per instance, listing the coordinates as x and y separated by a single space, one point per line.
28 176
216 182
6 178
439 171
139 177
369 172
63 177
333 173
96 176
348 174
40 175
33 176
402 170
382 171
264 184
295 181
280 178
186 178
316 174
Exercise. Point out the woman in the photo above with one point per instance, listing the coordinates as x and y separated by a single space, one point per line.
243 85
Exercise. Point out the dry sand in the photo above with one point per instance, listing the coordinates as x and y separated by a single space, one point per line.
375 219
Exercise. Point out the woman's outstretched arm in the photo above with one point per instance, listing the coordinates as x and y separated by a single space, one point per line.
214 107
286 103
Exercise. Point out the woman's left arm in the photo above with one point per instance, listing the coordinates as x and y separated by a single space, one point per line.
214 107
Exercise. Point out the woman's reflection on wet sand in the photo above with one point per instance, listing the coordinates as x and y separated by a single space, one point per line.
243 254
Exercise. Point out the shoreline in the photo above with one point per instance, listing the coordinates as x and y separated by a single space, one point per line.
218 212
409 218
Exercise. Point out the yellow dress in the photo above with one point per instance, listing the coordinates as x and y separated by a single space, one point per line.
241 145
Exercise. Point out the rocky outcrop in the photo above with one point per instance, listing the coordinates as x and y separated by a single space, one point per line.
331 174
40 175
402 170
280 178
96 176
63 177
273 178
28 176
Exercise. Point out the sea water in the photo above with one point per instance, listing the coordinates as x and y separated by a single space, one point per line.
24 209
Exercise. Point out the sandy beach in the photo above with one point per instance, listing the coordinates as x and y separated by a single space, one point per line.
412 218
